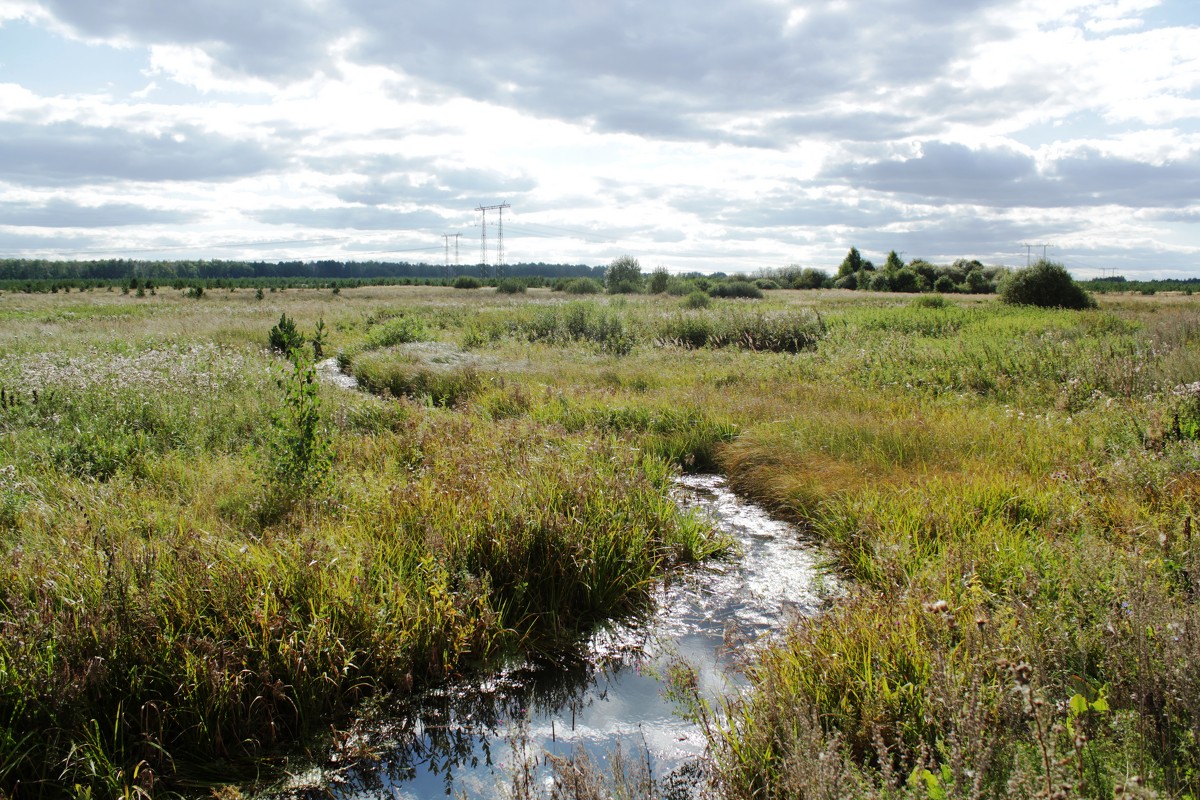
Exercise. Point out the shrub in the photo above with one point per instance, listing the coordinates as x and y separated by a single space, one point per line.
945 285
659 280
810 278
583 286
741 289
908 280
766 284
931 301
697 299
400 330
467 282
623 276
1046 284
510 286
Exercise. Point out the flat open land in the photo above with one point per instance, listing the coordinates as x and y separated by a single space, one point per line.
209 556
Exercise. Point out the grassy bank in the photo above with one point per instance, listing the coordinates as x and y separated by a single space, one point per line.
1010 490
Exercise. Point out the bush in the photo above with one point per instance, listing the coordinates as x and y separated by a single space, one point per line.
510 286
742 289
467 282
810 278
1046 284
400 330
908 280
659 280
623 276
697 299
945 285
931 301
583 286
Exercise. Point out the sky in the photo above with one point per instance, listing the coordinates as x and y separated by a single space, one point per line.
707 136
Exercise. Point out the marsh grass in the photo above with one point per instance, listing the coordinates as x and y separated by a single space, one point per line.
1009 492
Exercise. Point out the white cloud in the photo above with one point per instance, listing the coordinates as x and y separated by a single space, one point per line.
758 132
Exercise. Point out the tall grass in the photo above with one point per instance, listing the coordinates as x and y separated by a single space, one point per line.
1010 493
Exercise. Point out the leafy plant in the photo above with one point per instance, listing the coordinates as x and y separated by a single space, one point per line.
623 276
1046 284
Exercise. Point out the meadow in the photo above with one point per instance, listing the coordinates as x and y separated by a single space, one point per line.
209 557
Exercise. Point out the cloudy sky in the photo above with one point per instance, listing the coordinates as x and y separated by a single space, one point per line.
714 135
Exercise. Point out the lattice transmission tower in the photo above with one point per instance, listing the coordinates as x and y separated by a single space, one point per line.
483 259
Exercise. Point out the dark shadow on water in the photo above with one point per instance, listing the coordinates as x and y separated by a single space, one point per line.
469 739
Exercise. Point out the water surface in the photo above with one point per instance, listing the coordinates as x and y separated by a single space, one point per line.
458 740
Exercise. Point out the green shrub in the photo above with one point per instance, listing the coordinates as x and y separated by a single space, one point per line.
1046 284
908 280
511 286
467 282
944 285
809 278
583 286
400 330
740 289
623 276
659 280
931 301
697 299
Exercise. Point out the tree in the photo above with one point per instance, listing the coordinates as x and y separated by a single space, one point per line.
658 281
1045 284
894 262
623 276
851 264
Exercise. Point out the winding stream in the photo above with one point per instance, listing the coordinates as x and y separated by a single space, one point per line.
463 741
466 740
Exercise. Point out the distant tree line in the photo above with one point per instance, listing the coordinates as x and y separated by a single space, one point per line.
23 274
166 271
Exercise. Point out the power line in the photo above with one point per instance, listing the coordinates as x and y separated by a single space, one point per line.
500 235
1029 250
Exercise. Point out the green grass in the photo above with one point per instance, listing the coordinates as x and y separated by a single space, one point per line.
1008 493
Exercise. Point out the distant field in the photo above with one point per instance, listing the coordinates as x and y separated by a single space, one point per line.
209 557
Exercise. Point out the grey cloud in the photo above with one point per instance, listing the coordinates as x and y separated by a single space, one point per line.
276 40
69 153
18 242
674 68
948 174
667 68
58 213
434 185
366 218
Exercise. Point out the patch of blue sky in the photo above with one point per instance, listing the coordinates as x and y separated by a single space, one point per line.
49 64
1173 13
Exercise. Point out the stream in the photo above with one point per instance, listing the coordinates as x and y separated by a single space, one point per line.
467 740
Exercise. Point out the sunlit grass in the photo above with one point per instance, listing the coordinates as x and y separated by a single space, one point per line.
1000 486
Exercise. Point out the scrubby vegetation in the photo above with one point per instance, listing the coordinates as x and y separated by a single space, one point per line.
1045 284
209 556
